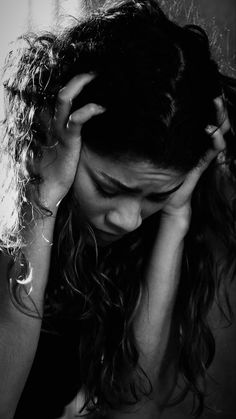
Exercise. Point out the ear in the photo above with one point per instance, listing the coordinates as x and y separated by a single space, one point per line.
222 115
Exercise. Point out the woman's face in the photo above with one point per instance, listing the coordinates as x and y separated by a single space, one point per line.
115 196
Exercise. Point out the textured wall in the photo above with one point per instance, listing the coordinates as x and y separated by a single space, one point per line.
224 14
218 17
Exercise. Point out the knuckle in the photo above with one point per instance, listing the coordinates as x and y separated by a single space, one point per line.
71 120
226 126
62 97
74 121
92 108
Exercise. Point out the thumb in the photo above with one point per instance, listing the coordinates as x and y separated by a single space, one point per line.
218 145
218 142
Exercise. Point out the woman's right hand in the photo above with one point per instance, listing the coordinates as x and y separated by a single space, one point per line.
60 157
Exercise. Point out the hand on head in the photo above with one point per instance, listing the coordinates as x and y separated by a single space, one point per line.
60 156
179 204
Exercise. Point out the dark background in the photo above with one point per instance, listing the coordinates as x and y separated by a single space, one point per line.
218 17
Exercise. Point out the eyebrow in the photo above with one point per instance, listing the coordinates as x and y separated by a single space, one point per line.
136 190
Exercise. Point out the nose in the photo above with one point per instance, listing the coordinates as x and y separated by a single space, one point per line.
125 218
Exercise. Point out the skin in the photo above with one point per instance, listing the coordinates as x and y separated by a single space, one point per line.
112 211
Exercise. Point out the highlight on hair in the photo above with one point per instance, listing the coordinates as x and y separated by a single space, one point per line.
157 81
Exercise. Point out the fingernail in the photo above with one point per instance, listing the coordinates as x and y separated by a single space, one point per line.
100 109
91 74
211 129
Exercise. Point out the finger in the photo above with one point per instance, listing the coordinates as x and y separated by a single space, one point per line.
218 145
82 115
222 115
66 96
218 142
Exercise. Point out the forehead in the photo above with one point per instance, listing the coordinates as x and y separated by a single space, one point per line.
129 171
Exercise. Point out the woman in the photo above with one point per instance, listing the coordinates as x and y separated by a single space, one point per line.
119 154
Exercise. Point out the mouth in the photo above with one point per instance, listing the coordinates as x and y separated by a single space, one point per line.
105 236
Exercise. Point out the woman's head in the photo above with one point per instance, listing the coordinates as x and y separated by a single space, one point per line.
157 83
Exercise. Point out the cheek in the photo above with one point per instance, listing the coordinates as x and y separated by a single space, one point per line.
85 193
150 209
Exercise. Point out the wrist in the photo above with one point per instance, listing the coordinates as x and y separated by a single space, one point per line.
37 245
32 214
37 227
178 221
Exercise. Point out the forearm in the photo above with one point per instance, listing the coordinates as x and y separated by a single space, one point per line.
153 320
19 331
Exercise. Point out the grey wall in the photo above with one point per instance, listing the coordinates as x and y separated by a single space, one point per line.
224 14
218 17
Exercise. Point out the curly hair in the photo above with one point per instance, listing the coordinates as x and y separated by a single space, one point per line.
157 81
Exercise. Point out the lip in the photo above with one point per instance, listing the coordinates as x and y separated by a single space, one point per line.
106 234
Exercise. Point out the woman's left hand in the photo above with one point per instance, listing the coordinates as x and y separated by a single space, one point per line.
178 205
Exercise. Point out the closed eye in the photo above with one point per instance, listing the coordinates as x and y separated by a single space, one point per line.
156 197
153 197
103 192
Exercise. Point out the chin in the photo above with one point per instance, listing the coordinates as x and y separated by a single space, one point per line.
104 241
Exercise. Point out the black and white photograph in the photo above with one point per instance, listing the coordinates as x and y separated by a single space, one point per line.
117 209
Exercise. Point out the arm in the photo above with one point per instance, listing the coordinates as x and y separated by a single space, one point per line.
19 332
153 320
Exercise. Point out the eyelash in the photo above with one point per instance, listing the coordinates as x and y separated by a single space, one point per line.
104 193
111 195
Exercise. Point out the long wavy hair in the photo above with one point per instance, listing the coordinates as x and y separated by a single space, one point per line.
157 81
